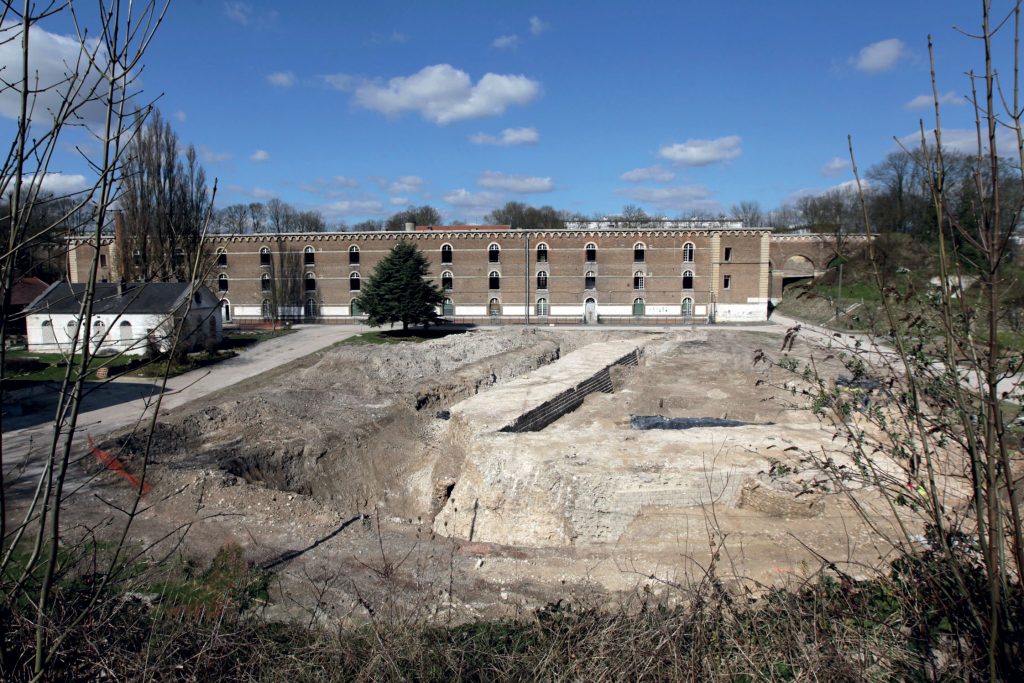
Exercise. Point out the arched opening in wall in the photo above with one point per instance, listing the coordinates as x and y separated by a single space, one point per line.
494 280
354 308
590 252
264 256
687 308
222 282
447 281
687 279
265 282
798 269
590 310
638 280
542 306
638 307
493 253
71 329
99 330
125 333
688 252
49 336
225 310
590 280
311 311
310 282
222 257
309 256
639 252
542 253
494 308
355 283
266 310
447 308
542 279
446 254
353 255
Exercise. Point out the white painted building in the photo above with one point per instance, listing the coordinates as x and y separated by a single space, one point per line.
127 318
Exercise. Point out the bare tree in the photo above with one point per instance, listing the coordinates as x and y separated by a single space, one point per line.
749 212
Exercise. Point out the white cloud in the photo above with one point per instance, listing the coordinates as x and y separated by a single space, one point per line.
835 166
676 198
394 37
509 136
443 94
658 174
703 152
843 187
405 184
260 155
495 180
964 140
473 205
238 12
880 56
923 101
210 156
281 79
180 116
399 201
56 184
334 187
255 192
342 82
349 207
537 26
505 41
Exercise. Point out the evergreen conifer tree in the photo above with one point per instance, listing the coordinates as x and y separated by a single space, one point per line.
399 291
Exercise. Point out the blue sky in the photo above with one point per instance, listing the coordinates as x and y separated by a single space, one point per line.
360 109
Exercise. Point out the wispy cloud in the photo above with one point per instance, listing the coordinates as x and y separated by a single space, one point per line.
399 201
443 94
395 37
703 152
537 26
260 193
509 136
521 184
675 198
281 79
658 174
352 207
405 184
505 41
880 56
844 187
923 101
342 82
333 187
473 204
834 167
964 140
238 12
57 184
210 156
180 116
259 155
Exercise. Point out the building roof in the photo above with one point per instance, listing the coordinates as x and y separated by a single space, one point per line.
26 290
431 228
135 297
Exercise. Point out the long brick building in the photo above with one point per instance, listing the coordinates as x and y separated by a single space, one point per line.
595 272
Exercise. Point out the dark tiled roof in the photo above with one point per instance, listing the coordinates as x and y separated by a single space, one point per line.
138 297
26 289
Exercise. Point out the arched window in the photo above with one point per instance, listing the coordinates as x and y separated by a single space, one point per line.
99 330
72 330
639 252
222 257
222 282
311 309
446 253
687 308
265 282
264 256
354 283
354 308
542 253
591 252
225 310
590 280
310 282
688 252
687 279
124 332
447 281
447 308
542 279
542 306
309 256
494 280
353 255
266 310
638 279
494 308
638 307
493 253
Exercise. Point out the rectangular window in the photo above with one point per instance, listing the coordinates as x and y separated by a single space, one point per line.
103 260
726 282
728 255
222 258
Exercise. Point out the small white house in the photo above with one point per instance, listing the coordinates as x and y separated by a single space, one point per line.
126 318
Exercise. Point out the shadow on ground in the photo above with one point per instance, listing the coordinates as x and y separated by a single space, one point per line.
36 405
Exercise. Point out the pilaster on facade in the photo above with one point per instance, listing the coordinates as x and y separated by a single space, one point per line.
762 282
716 261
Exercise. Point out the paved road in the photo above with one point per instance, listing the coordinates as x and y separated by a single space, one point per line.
21 446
